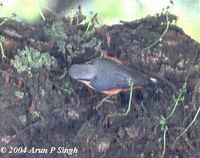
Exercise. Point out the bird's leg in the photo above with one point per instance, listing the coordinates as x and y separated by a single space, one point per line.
102 101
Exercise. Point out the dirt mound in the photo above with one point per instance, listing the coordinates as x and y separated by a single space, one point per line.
42 107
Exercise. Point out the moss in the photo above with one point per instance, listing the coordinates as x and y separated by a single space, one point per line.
30 59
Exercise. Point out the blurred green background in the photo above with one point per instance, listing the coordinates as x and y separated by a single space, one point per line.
109 11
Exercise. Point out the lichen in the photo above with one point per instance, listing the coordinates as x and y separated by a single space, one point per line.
30 59
57 32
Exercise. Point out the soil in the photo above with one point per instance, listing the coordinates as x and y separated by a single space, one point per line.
43 107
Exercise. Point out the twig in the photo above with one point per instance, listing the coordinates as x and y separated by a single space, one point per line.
39 9
3 56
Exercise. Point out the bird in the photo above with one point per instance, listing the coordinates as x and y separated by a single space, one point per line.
108 75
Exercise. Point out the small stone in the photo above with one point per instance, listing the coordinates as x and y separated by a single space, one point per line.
103 145
19 94
132 132
73 114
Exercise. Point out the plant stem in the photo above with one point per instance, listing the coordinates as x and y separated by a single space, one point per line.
162 35
186 129
164 141
131 83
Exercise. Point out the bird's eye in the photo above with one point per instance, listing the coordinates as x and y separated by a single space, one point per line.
94 78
